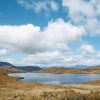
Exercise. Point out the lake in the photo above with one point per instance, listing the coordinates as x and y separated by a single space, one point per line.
55 79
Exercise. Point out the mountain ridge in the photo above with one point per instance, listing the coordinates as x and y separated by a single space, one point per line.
93 69
9 66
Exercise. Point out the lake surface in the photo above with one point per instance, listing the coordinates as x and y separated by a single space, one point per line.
56 79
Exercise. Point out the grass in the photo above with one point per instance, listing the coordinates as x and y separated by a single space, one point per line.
94 70
12 89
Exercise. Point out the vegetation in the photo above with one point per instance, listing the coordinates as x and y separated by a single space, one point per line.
93 70
12 89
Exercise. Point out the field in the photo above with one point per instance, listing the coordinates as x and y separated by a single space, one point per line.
12 89
92 70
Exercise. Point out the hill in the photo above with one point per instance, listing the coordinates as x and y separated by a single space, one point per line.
60 70
29 68
79 66
5 65
92 70
8 66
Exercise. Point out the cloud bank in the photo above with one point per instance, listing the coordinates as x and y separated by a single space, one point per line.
85 13
31 39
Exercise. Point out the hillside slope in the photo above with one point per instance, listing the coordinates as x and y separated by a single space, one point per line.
92 70
8 66
5 65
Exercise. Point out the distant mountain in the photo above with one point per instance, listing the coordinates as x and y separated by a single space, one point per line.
74 66
80 66
29 68
71 69
94 68
6 65
62 70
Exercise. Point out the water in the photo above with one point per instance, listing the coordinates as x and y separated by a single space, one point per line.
56 79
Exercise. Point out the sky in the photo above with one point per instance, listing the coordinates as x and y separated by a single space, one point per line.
50 33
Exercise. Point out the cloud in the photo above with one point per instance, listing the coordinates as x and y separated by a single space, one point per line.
87 49
93 25
46 59
3 52
75 11
42 59
89 56
85 13
31 39
47 47
85 55
26 38
38 6
62 32
60 59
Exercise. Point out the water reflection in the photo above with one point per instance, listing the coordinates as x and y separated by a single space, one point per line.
56 79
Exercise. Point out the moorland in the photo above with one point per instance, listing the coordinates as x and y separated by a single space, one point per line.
11 88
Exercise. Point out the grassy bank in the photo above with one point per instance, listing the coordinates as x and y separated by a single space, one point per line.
92 70
12 89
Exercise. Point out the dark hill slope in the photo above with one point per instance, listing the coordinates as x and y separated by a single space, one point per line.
8 66
5 65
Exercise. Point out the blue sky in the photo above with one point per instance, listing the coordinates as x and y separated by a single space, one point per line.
14 14
50 32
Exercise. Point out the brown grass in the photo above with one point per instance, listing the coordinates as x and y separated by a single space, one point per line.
93 70
12 89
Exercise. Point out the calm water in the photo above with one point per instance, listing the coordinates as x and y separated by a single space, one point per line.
56 79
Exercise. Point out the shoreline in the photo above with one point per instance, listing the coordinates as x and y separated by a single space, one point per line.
13 89
92 70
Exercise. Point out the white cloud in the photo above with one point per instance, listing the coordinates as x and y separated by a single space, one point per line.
93 25
37 6
85 13
59 59
31 39
79 7
25 37
86 55
87 49
89 56
47 47
42 59
3 52
61 32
